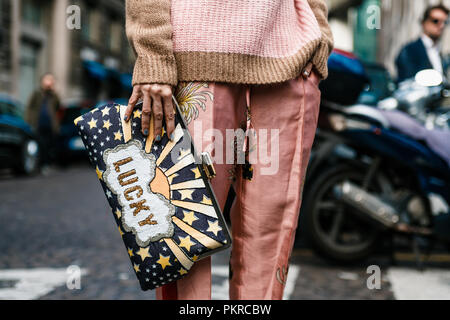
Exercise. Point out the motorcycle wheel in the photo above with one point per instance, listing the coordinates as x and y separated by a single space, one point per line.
331 227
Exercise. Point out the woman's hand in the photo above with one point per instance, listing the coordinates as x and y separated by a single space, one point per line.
157 99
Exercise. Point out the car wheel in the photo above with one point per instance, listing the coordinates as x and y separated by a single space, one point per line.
29 160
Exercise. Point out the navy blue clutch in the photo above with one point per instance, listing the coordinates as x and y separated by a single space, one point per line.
160 193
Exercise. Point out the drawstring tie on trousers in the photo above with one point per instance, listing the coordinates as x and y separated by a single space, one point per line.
249 130
247 171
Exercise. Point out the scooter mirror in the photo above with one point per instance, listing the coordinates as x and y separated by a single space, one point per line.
429 78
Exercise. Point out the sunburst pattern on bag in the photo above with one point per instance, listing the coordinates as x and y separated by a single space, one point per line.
160 196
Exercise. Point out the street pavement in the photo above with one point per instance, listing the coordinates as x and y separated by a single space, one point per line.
58 226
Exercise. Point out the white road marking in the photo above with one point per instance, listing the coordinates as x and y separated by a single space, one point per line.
220 291
410 284
293 273
350 276
32 284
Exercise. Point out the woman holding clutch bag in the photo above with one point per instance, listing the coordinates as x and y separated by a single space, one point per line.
237 64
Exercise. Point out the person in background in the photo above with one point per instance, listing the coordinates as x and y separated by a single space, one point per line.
237 64
425 52
41 115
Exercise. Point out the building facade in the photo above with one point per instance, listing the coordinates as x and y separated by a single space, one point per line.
82 42
95 60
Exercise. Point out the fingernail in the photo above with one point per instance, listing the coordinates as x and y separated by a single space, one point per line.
158 138
172 136
126 118
146 132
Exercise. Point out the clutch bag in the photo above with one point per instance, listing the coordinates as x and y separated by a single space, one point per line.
159 193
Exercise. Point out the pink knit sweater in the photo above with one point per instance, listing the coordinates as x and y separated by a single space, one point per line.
240 41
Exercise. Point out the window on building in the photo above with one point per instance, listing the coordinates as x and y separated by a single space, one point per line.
115 43
86 26
28 77
2 26
365 30
94 31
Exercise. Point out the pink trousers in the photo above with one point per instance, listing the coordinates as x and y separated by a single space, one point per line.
265 212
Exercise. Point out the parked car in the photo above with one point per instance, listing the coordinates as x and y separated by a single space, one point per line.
69 143
121 101
19 145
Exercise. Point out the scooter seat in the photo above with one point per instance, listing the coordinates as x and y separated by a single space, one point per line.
368 113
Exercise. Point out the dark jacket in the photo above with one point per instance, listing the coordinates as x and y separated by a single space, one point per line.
414 58
33 109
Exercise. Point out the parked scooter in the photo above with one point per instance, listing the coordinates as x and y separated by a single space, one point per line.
368 181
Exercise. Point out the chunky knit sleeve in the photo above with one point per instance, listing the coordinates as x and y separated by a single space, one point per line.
149 31
322 53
